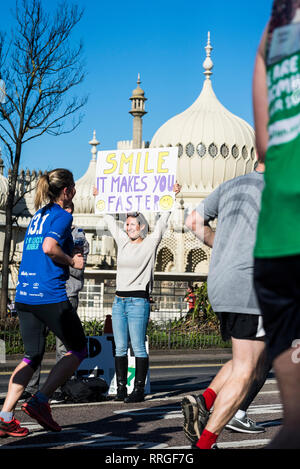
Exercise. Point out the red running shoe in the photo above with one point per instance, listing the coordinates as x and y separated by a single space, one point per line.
40 412
12 428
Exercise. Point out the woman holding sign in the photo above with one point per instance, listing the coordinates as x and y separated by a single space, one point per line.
131 308
41 300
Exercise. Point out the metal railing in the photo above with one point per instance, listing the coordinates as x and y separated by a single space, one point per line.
94 308
171 327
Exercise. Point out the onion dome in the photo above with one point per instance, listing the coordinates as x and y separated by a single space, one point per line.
138 92
214 145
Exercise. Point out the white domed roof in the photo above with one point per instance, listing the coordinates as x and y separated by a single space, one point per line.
214 144
84 200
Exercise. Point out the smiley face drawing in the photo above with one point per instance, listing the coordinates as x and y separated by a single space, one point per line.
100 205
166 202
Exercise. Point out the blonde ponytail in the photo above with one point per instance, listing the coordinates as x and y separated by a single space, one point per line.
42 191
50 185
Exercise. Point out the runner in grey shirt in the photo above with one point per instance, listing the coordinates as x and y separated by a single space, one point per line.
235 204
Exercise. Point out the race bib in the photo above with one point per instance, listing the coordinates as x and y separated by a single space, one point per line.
285 42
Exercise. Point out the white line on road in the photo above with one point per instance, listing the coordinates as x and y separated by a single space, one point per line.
175 414
243 443
106 441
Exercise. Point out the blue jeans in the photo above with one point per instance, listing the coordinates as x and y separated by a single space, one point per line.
130 317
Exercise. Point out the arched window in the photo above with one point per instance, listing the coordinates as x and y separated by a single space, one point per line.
195 256
164 259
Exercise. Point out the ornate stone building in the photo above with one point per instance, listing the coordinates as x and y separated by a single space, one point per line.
214 145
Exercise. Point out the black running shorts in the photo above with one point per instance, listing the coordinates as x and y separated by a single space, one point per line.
60 318
241 326
277 285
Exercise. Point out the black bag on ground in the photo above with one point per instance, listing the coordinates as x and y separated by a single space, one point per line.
85 389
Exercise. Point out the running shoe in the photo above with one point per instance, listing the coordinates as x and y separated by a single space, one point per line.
41 412
195 416
244 425
57 398
25 396
12 428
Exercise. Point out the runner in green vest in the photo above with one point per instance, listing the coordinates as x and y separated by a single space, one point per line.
276 101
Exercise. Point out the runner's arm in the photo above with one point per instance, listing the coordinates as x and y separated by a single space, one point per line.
260 100
52 249
196 223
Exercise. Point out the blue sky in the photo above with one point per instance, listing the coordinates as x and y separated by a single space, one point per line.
163 41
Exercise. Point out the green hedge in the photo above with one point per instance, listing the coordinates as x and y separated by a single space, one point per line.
10 333
199 329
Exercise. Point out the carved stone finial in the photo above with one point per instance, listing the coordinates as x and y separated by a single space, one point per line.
208 63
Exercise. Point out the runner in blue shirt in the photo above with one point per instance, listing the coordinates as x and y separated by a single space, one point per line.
41 300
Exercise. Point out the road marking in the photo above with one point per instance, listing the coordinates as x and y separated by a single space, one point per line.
108 441
265 409
243 443
233 444
150 397
271 381
157 367
88 439
203 365
76 438
269 392
5 373
176 413
152 367
104 441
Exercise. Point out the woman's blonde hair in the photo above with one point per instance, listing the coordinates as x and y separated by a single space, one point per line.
50 185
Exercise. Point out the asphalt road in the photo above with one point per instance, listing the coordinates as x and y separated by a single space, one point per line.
155 424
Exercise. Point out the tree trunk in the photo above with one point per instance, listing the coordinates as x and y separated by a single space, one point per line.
5 262
9 233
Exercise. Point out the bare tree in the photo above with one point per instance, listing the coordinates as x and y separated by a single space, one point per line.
40 68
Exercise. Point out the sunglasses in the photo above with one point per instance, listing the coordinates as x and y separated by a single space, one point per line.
133 214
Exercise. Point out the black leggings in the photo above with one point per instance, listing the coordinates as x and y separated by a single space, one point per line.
60 318
263 370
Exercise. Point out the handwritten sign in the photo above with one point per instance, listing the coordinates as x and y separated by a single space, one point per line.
136 180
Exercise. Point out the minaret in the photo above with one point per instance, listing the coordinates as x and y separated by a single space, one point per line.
137 111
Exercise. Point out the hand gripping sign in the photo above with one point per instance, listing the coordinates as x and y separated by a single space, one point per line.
139 180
